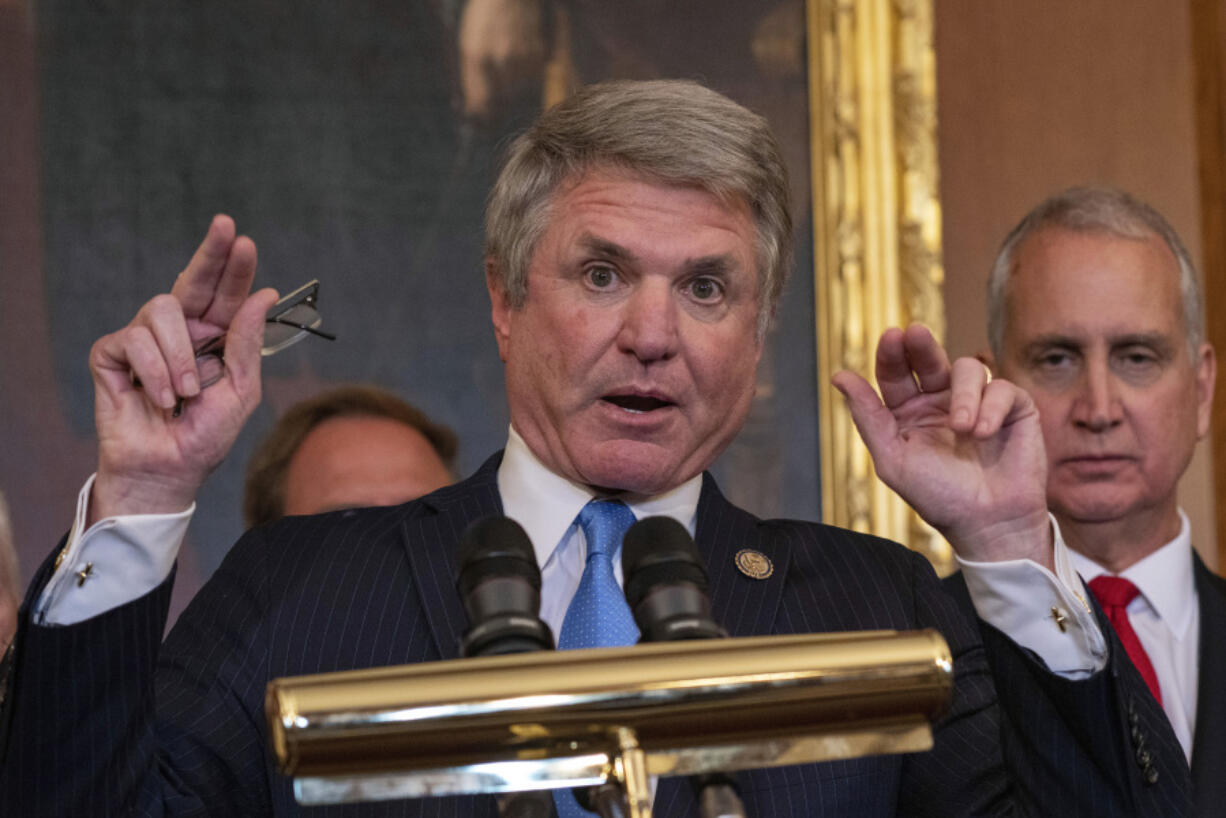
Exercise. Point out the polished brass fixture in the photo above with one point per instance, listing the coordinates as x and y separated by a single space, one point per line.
549 720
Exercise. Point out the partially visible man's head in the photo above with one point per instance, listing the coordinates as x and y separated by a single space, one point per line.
346 448
1094 309
10 578
637 242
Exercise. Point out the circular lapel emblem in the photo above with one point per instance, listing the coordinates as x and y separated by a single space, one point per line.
754 564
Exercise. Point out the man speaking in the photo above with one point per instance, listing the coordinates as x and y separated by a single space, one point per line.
637 243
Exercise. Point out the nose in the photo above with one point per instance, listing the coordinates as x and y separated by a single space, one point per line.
1098 408
649 323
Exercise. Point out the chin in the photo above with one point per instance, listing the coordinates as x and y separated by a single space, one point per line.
645 482
1094 509
634 471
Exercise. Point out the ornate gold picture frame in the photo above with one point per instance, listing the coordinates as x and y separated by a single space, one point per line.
876 227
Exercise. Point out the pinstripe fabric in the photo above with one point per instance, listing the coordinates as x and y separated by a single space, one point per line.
1074 743
1209 740
373 587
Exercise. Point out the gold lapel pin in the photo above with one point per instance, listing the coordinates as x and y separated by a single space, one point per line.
754 564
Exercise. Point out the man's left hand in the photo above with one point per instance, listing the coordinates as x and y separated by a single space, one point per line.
965 451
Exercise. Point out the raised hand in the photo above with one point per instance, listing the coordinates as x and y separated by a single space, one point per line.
150 458
966 452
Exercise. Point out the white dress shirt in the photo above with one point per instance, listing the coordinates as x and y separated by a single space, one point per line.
1045 612
546 505
114 561
1166 617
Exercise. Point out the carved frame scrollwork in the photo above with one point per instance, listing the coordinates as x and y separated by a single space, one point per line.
876 228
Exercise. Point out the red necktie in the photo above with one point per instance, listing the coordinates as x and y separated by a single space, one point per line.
1114 594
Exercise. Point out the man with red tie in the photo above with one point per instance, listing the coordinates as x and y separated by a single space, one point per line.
1095 309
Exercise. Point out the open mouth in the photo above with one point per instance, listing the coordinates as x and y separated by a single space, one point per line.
637 403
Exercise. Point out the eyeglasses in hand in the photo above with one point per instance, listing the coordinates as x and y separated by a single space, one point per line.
287 322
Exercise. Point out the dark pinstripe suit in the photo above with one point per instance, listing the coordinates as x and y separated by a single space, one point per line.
1209 739
375 587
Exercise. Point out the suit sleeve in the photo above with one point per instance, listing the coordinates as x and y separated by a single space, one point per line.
964 773
97 728
1088 747
79 732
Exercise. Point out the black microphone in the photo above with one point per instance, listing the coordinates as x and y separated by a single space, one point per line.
666 586
500 585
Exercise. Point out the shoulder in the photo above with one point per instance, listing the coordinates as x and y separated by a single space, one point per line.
822 577
1206 574
1210 586
805 540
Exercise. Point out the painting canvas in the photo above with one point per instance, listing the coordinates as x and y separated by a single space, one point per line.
355 143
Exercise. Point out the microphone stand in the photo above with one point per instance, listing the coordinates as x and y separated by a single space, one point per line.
627 793
606 800
718 796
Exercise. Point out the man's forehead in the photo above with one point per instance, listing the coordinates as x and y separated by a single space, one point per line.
594 172
592 210
1075 284
1094 243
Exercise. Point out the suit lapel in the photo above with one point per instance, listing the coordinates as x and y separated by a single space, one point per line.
1209 740
430 540
743 603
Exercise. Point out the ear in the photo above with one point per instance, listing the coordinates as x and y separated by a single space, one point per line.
500 308
1206 377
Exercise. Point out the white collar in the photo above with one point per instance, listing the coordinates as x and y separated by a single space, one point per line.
1164 578
546 504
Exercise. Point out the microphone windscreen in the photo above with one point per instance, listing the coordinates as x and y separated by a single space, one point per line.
659 551
496 546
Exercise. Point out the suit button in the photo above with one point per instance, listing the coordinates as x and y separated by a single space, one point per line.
1138 738
1144 758
1151 776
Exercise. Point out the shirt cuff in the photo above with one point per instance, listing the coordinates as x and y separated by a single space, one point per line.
115 561
1043 612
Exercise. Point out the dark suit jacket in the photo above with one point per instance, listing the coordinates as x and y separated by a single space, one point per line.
106 721
1209 738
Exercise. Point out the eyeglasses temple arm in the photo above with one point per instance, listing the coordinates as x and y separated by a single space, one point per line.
303 327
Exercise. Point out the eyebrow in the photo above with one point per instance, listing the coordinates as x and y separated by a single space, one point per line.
1152 339
606 248
717 265
1051 339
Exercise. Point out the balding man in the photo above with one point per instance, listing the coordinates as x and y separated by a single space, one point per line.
1095 309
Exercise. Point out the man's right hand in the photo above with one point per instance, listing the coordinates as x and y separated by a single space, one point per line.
150 461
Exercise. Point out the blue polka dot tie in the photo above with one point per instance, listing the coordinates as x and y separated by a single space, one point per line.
598 616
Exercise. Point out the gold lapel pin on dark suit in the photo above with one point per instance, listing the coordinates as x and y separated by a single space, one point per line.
754 564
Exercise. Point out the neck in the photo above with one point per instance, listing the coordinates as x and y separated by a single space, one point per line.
1118 544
